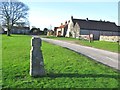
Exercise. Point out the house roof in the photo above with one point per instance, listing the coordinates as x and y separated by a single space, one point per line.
16 27
62 26
96 25
119 28
21 28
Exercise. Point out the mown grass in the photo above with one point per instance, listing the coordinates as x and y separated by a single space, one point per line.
0 61
64 68
110 46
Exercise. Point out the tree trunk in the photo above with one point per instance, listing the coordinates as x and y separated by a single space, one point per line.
8 32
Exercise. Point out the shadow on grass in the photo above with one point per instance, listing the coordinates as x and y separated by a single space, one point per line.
70 75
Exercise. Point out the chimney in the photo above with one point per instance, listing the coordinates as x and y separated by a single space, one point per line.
66 23
86 19
71 17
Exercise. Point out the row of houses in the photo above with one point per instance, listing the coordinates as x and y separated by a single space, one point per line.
23 30
77 28
81 27
16 30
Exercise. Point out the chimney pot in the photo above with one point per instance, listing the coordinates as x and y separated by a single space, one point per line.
87 19
66 22
71 17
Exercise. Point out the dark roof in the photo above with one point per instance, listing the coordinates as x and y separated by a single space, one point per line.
119 28
21 28
96 25
18 27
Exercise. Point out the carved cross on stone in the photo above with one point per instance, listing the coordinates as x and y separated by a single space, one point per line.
36 58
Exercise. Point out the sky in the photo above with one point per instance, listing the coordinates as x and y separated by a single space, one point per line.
43 14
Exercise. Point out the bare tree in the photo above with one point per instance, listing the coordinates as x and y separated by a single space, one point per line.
12 11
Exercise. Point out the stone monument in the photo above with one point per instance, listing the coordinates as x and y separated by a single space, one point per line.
36 58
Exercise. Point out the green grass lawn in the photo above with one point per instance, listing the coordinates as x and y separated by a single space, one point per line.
0 61
110 46
64 68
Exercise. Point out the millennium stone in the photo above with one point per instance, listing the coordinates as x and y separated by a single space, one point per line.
36 58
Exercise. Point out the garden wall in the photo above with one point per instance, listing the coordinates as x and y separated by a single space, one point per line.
110 38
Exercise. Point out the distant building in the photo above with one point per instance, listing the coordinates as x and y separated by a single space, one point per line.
50 33
61 30
118 30
18 30
79 27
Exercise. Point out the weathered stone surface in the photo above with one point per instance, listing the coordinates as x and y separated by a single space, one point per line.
110 38
36 58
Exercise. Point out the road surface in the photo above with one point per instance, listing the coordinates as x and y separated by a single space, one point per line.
105 57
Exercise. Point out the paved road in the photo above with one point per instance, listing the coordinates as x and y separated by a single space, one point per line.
102 56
